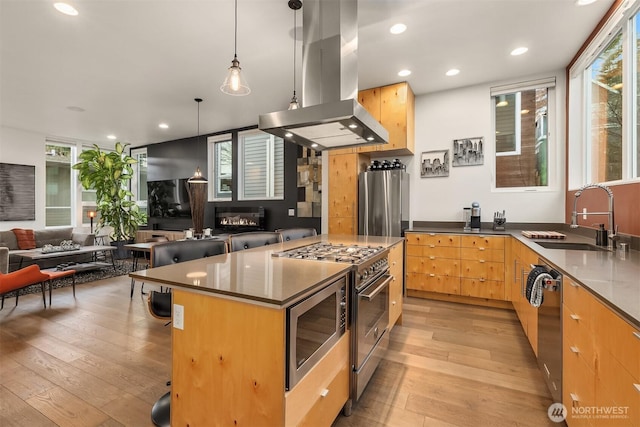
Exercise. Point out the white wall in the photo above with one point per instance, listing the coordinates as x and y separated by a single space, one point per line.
467 112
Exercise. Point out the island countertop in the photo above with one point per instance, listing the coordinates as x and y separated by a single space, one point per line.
256 275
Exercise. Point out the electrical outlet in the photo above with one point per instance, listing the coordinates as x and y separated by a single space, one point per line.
292 212
178 316
584 213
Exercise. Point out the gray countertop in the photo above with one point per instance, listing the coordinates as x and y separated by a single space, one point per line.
611 278
256 275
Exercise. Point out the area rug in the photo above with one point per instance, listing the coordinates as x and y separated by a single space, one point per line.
122 267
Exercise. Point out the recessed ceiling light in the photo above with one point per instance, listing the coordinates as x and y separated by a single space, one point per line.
111 136
398 28
314 145
163 126
404 73
65 8
584 2
353 126
369 138
519 51
453 72
288 134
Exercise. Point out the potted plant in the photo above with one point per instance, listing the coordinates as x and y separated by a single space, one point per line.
109 173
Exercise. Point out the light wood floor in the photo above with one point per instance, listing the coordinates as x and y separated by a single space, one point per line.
102 360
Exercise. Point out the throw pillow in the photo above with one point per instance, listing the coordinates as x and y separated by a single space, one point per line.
26 238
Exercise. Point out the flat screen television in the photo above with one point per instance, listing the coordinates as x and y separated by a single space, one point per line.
168 199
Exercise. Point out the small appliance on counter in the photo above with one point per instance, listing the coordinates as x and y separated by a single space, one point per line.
475 217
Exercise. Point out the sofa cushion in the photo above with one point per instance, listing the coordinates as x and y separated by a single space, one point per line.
8 239
25 237
53 236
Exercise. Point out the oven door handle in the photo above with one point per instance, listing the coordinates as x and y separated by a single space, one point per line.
377 290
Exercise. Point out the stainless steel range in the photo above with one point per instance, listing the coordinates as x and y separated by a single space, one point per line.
368 306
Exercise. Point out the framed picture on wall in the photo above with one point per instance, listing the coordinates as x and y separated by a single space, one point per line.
468 151
17 192
434 164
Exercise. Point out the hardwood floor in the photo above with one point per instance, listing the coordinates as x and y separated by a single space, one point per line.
102 360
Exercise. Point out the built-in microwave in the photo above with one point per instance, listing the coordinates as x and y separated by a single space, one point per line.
314 325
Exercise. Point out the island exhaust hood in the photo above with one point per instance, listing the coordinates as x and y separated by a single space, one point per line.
330 117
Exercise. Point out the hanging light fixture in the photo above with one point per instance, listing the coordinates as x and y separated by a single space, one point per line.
295 5
197 177
235 84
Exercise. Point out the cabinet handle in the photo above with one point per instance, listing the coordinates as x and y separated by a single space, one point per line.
637 334
432 246
393 303
432 234
393 263
515 270
637 386
481 261
432 275
481 248
324 392
574 316
574 349
574 397
482 279
575 285
432 257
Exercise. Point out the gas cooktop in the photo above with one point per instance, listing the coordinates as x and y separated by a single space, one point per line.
353 254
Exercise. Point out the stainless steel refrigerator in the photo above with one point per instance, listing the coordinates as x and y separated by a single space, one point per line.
383 205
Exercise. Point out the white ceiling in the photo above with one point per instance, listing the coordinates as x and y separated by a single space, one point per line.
131 64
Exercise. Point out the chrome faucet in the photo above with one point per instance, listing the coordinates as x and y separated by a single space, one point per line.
613 230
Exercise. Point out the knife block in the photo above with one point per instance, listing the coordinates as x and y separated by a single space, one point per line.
499 224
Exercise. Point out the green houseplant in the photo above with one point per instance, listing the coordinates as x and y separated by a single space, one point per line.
109 174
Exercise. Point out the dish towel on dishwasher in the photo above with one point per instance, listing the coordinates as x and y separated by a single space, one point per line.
534 285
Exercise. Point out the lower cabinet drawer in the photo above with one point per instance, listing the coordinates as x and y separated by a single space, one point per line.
479 288
578 389
433 283
318 398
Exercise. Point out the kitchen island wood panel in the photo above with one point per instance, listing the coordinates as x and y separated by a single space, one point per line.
223 371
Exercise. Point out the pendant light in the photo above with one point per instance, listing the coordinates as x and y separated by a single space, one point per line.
235 84
197 177
295 5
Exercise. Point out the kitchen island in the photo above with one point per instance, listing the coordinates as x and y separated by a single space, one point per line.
230 335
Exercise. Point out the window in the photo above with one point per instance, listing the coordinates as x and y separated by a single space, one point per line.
59 194
521 113
604 105
260 166
222 170
139 179
604 114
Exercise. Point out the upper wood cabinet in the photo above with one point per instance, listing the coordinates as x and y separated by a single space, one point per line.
394 107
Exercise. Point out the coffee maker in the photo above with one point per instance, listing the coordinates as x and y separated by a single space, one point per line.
475 217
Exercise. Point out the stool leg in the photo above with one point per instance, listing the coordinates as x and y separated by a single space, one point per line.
50 288
133 284
44 298
73 284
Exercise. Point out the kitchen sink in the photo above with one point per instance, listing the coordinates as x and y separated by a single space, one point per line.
572 246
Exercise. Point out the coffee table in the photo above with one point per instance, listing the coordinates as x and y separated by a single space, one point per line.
36 255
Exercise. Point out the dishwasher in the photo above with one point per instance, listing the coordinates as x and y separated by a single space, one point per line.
544 290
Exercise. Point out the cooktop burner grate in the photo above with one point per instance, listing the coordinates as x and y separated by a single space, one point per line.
353 254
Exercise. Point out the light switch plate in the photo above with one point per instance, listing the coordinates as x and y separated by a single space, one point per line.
292 212
178 316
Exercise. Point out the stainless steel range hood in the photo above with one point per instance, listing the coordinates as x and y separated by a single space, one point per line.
331 116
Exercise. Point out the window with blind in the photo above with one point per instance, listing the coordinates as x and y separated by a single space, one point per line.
521 123
221 154
260 166
139 179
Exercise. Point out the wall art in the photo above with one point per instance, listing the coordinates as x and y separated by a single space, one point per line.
434 163
468 151
17 192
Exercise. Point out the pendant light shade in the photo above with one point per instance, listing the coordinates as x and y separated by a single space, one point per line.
295 5
234 83
197 177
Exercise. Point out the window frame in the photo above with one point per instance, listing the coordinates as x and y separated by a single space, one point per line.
517 128
73 185
135 179
579 145
212 163
270 173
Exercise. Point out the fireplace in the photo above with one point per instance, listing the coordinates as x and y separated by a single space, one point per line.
240 219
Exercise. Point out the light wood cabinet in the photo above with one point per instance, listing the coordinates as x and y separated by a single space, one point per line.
482 266
343 193
396 288
601 362
394 107
434 263
521 260
228 368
